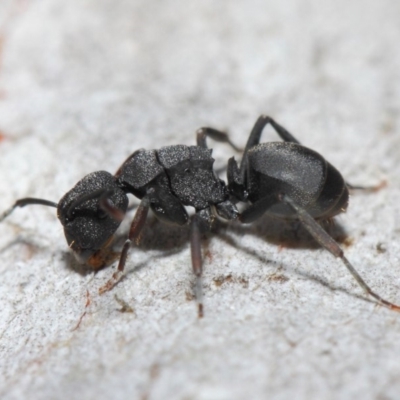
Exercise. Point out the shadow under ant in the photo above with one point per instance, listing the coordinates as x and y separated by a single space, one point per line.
170 240
296 238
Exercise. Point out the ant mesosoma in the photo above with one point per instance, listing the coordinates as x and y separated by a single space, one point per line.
282 179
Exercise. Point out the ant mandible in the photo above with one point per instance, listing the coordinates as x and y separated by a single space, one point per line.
282 179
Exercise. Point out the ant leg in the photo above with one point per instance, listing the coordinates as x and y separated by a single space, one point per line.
326 241
200 222
368 189
197 262
25 202
261 123
134 235
282 132
255 136
257 209
218 136
109 208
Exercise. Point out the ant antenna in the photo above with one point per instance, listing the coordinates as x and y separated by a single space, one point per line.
26 202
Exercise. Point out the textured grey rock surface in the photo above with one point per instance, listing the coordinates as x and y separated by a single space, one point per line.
85 83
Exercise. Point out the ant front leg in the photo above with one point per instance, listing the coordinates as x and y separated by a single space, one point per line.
327 242
137 225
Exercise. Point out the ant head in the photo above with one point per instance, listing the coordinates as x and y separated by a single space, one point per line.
90 214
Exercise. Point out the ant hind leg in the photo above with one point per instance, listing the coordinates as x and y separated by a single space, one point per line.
328 243
218 136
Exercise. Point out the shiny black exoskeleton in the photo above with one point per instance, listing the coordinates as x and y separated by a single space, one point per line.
283 179
287 168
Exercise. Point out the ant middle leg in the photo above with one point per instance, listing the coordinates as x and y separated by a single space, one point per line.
201 222
197 262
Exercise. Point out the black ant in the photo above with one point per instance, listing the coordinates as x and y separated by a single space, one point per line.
282 179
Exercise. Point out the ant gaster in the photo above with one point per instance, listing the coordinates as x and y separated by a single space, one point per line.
282 179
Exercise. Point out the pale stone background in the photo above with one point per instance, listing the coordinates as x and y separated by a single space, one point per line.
83 83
